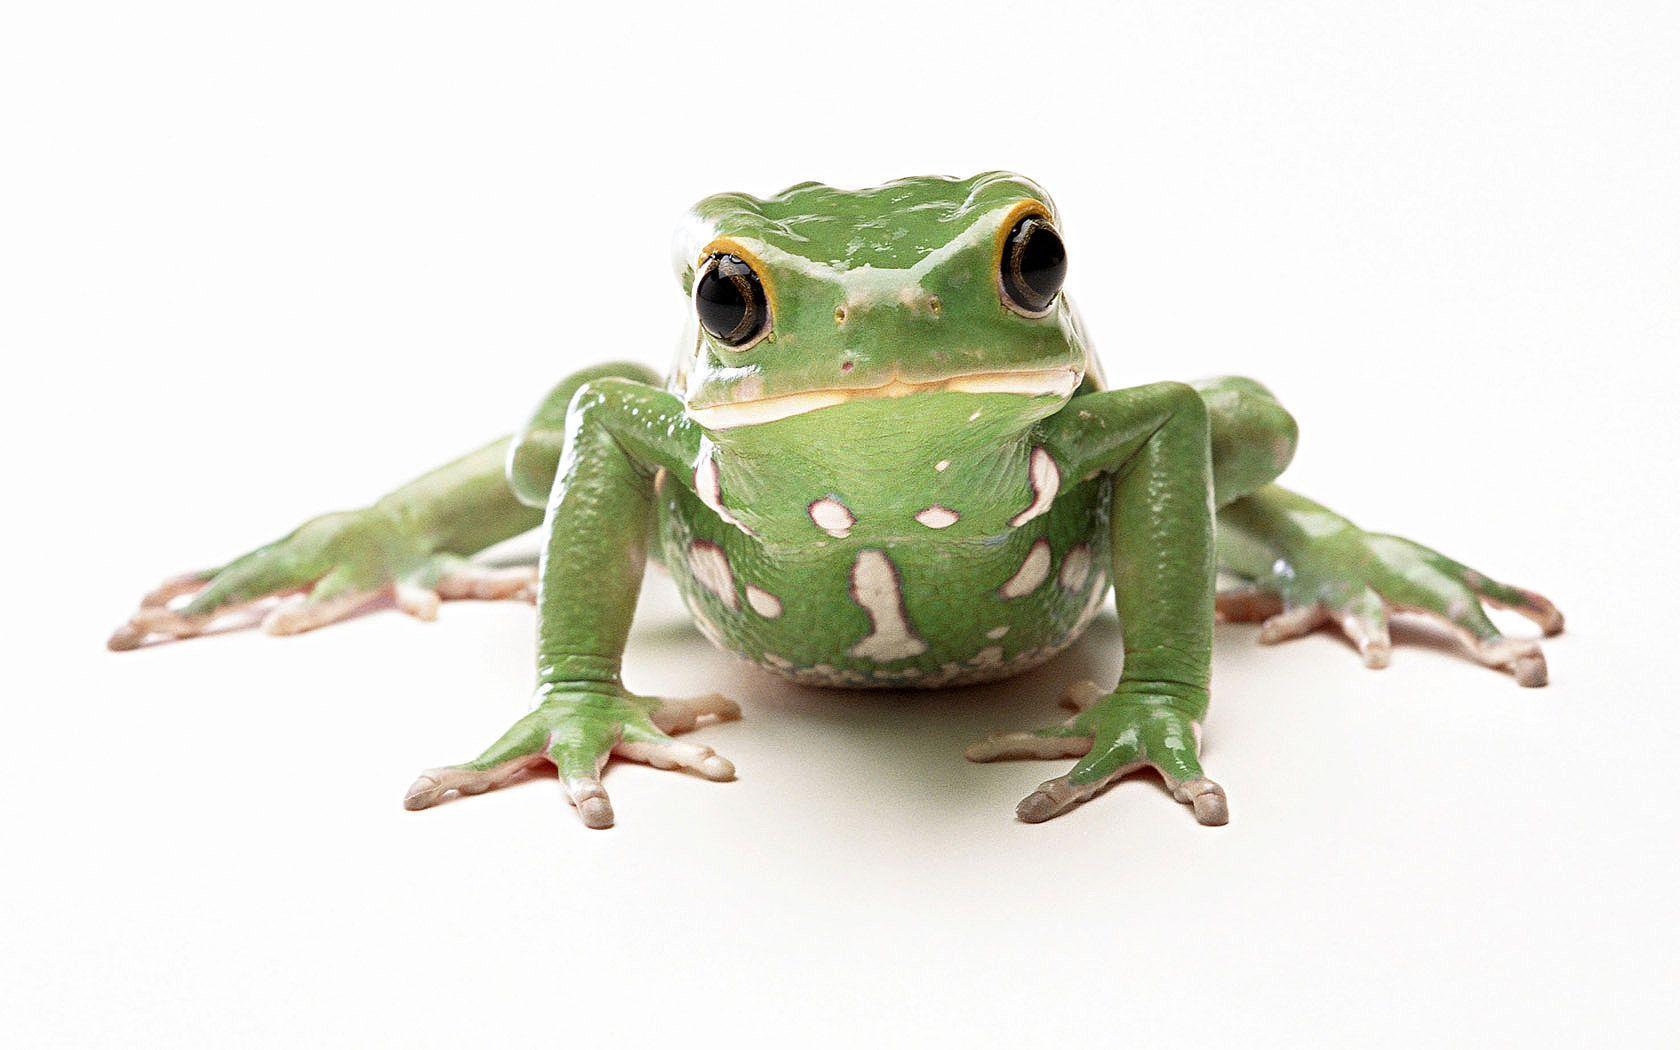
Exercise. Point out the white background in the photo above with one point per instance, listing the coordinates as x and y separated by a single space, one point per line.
261 262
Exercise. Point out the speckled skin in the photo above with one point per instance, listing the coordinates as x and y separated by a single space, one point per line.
907 480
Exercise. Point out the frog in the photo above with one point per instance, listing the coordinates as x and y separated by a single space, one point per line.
885 456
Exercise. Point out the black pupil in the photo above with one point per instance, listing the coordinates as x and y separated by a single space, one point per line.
730 300
1035 263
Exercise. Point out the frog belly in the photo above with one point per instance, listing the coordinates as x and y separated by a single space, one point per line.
893 610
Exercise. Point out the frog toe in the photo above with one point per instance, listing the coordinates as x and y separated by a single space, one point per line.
1364 620
154 621
589 797
1055 797
488 583
437 785
451 578
679 716
1065 739
188 583
1206 799
662 752
1053 742
318 608
1533 605
1520 658
1295 622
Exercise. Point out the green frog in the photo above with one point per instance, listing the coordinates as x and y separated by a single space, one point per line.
884 457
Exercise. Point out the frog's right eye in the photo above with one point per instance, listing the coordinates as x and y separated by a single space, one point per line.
729 299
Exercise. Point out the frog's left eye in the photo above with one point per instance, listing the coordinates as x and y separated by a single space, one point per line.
729 299
1033 266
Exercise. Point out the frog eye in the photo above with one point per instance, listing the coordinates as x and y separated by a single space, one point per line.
1033 267
729 299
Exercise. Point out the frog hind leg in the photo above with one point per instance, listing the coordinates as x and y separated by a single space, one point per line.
1303 566
412 545
533 457
1251 434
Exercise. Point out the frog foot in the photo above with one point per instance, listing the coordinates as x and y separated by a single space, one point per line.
1112 734
319 580
1356 579
576 729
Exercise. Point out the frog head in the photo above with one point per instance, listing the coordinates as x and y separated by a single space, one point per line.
819 297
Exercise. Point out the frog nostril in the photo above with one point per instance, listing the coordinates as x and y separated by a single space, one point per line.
839 315
847 366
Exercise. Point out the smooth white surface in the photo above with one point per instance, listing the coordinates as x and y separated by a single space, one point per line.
262 262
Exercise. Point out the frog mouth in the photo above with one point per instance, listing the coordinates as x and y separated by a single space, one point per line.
1036 382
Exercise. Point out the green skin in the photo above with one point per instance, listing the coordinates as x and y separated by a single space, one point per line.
906 482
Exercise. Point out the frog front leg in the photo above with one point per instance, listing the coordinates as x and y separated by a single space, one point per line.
617 434
1152 444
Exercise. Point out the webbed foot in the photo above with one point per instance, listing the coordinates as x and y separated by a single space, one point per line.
1112 734
576 730
1355 580
328 570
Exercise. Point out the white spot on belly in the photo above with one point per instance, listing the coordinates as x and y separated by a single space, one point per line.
941 465
997 632
763 602
710 490
1045 480
937 517
832 517
710 567
876 589
1076 568
1032 572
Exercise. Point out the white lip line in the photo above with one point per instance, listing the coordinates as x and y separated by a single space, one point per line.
1031 382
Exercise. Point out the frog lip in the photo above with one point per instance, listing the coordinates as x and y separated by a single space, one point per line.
1032 382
